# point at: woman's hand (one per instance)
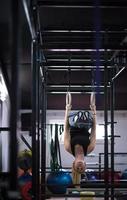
(93, 109)
(68, 107)
(68, 101)
(92, 103)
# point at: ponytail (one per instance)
(76, 177)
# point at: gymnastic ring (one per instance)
(92, 99)
(68, 98)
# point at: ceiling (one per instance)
(83, 42)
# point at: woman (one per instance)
(78, 141)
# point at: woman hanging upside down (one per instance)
(80, 133)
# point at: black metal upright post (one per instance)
(112, 100)
(43, 136)
(35, 21)
(38, 95)
(34, 120)
(31, 11)
(14, 95)
(106, 162)
(112, 139)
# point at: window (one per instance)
(100, 131)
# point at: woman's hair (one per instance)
(76, 176)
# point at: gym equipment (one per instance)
(68, 98)
(91, 176)
(25, 160)
(25, 186)
(55, 159)
(87, 193)
(26, 191)
(26, 177)
(81, 193)
(57, 182)
(117, 176)
(124, 174)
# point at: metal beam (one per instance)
(73, 63)
(74, 88)
(117, 75)
(80, 45)
(82, 31)
(86, 28)
(81, 4)
(77, 68)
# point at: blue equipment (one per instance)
(91, 176)
(124, 174)
(57, 182)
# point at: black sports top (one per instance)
(81, 137)
(80, 122)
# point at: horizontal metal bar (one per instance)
(79, 45)
(86, 27)
(74, 63)
(54, 39)
(74, 86)
(77, 68)
(57, 35)
(76, 195)
(76, 53)
(72, 89)
(118, 153)
(83, 195)
(81, 4)
(99, 184)
(72, 92)
(4, 129)
(81, 31)
(79, 51)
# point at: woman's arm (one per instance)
(66, 124)
(93, 131)
(66, 119)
